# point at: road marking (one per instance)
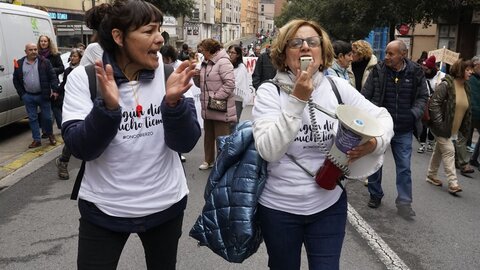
(389, 258)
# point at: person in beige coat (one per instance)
(216, 80)
(363, 62)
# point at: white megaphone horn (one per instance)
(355, 128)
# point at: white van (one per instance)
(18, 26)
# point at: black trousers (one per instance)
(100, 248)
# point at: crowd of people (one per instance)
(144, 109)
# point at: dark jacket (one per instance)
(57, 63)
(406, 101)
(474, 84)
(228, 224)
(87, 139)
(48, 78)
(442, 109)
(264, 70)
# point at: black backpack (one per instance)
(92, 85)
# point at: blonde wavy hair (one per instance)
(287, 32)
(363, 49)
(51, 46)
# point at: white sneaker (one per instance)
(205, 166)
(421, 149)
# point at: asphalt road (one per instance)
(39, 224)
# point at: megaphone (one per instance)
(355, 128)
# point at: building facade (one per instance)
(249, 17)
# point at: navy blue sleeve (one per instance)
(182, 130)
(87, 139)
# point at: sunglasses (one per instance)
(297, 43)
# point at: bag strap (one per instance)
(330, 80)
(92, 85)
(335, 90)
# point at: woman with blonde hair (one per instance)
(295, 139)
(49, 50)
(363, 62)
(450, 116)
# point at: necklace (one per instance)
(135, 85)
(138, 107)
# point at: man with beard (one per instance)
(399, 85)
(433, 77)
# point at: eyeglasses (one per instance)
(233, 52)
(297, 43)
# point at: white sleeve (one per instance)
(77, 103)
(274, 127)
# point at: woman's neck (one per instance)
(127, 67)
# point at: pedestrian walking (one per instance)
(49, 50)
(128, 136)
(216, 80)
(36, 82)
(241, 78)
(62, 161)
(433, 77)
(450, 114)
(398, 84)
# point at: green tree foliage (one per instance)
(353, 19)
(175, 8)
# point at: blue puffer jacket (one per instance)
(228, 223)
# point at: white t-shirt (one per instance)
(137, 174)
(92, 53)
(279, 118)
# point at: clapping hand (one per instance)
(179, 82)
(108, 86)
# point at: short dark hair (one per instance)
(341, 47)
(457, 70)
(185, 46)
(169, 51)
(125, 15)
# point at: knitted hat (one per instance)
(430, 62)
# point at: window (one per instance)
(447, 34)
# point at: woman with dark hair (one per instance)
(341, 63)
(217, 82)
(49, 50)
(128, 135)
(241, 78)
(450, 116)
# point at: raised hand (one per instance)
(304, 85)
(179, 82)
(108, 87)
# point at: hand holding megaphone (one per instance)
(355, 130)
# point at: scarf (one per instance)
(44, 52)
(286, 80)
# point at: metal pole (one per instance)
(93, 3)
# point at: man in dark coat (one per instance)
(398, 84)
(35, 81)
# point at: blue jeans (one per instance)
(401, 145)
(322, 233)
(32, 102)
